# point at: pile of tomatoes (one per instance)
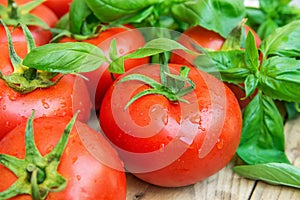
(162, 141)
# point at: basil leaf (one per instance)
(251, 83)
(279, 78)
(284, 41)
(107, 10)
(252, 61)
(79, 11)
(229, 64)
(292, 109)
(153, 47)
(267, 28)
(71, 57)
(272, 173)
(220, 16)
(262, 138)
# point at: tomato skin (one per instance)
(60, 7)
(41, 36)
(68, 95)
(173, 144)
(87, 177)
(213, 41)
(128, 40)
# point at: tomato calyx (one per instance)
(14, 14)
(172, 86)
(37, 175)
(25, 79)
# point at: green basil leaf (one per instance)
(251, 83)
(279, 78)
(153, 47)
(72, 57)
(229, 64)
(134, 18)
(262, 138)
(107, 10)
(272, 173)
(79, 11)
(220, 16)
(255, 16)
(292, 109)
(284, 41)
(267, 28)
(252, 61)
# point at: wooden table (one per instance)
(225, 184)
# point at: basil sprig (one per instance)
(275, 76)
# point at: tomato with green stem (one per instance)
(127, 40)
(55, 158)
(38, 17)
(172, 127)
(23, 88)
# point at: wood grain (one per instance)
(225, 185)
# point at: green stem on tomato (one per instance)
(25, 79)
(13, 12)
(37, 175)
(172, 86)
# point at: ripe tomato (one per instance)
(210, 40)
(40, 35)
(60, 7)
(69, 94)
(128, 40)
(172, 144)
(90, 173)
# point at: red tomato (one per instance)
(60, 7)
(90, 165)
(172, 144)
(69, 94)
(127, 41)
(40, 35)
(210, 40)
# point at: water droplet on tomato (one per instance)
(45, 104)
(121, 51)
(195, 119)
(74, 159)
(7, 124)
(165, 119)
(200, 127)
(13, 96)
(162, 148)
(220, 143)
(186, 140)
(63, 104)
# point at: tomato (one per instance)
(60, 7)
(128, 40)
(40, 35)
(168, 143)
(210, 40)
(89, 164)
(69, 94)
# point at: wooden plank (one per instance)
(225, 184)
